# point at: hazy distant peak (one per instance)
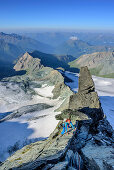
(2, 33)
(74, 38)
(12, 35)
(99, 63)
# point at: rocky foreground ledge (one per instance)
(90, 147)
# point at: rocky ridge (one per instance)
(99, 63)
(26, 62)
(77, 150)
(37, 59)
(86, 99)
(77, 47)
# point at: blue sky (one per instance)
(61, 14)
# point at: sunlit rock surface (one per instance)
(86, 99)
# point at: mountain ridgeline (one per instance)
(25, 43)
(36, 59)
(97, 56)
(57, 38)
(12, 46)
(100, 63)
(66, 44)
(78, 47)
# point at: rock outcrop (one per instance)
(96, 149)
(86, 100)
(27, 62)
(86, 83)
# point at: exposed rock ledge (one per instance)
(89, 148)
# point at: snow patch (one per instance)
(45, 91)
(30, 127)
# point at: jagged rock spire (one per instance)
(86, 83)
(86, 99)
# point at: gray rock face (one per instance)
(92, 157)
(96, 150)
(86, 99)
(86, 83)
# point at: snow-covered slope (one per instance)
(105, 90)
(29, 127)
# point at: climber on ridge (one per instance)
(67, 124)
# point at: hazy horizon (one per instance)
(43, 30)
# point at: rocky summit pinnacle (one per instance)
(86, 99)
(86, 83)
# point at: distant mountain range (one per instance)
(57, 49)
(99, 63)
(8, 51)
(51, 38)
(76, 44)
(77, 47)
(57, 38)
(13, 45)
(105, 38)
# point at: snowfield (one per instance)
(30, 127)
(105, 90)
